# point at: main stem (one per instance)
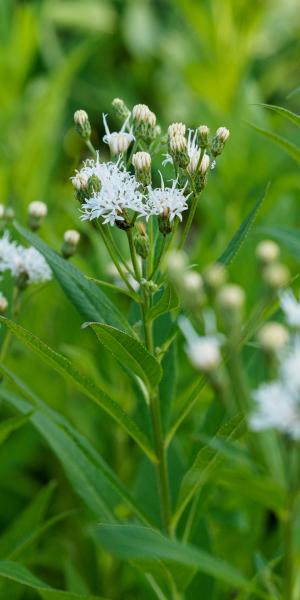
(162, 466)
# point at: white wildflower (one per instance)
(291, 308)
(168, 200)
(37, 209)
(32, 263)
(8, 254)
(118, 141)
(119, 190)
(203, 351)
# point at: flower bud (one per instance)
(141, 241)
(142, 165)
(192, 282)
(164, 223)
(178, 150)
(219, 140)
(82, 124)
(204, 354)
(215, 276)
(80, 181)
(176, 129)
(267, 252)
(231, 299)
(37, 211)
(144, 122)
(272, 337)
(70, 243)
(119, 142)
(120, 109)
(3, 304)
(176, 262)
(203, 136)
(2, 211)
(204, 165)
(275, 276)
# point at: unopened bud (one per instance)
(231, 297)
(142, 165)
(119, 142)
(80, 181)
(37, 211)
(178, 150)
(215, 276)
(267, 252)
(192, 282)
(176, 129)
(219, 140)
(9, 214)
(204, 165)
(3, 304)
(275, 275)
(176, 262)
(272, 337)
(2, 211)
(144, 122)
(141, 241)
(203, 136)
(120, 109)
(82, 124)
(70, 243)
(164, 223)
(204, 354)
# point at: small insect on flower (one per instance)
(118, 141)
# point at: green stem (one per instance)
(113, 256)
(162, 466)
(134, 259)
(190, 219)
(159, 258)
(91, 147)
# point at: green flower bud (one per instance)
(82, 124)
(121, 111)
(141, 241)
(70, 243)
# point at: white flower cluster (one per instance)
(119, 190)
(23, 261)
(278, 402)
(203, 351)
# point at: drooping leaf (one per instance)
(132, 542)
(91, 477)
(242, 232)
(20, 574)
(86, 296)
(63, 366)
(289, 147)
(129, 352)
(287, 114)
(168, 301)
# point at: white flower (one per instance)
(278, 403)
(71, 236)
(81, 118)
(168, 199)
(118, 141)
(291, 308)
(32, 263)
(119, 190)
(37, 209)
(8, 254)
(223, 134)
(203, 351)
(194, 153)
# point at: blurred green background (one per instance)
(201, 61)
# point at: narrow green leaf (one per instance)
(93, 480)
(10, 425)
(132, 542)
(63, 366)
(168, 301)
(287, 114)
(242, 232)
(205, 462)
(86, 296)
(115, 288)
(20, 574)
(290, 148)
(129, 352)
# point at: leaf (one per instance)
(129, 352)
(10, 425)
(205, 462)
(86, 296)
(132, 542)
(290, 148)
(91, 477)
(287, 114)
(168, 301)
(242, 232)
(290, 238)
(63, 366)
(20, 574)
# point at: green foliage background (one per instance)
(205, 61)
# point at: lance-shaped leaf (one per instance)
(63, 366)
(168, 301)
(283, 112)
(132, 542)
(20, 574)
(242, 232)
(289, 147)
(87, 297)
(129, 352)
(10, 425)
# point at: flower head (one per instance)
(118, 141)
(8, 254)
(117, 191)
(291, 308)
(166, 200)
